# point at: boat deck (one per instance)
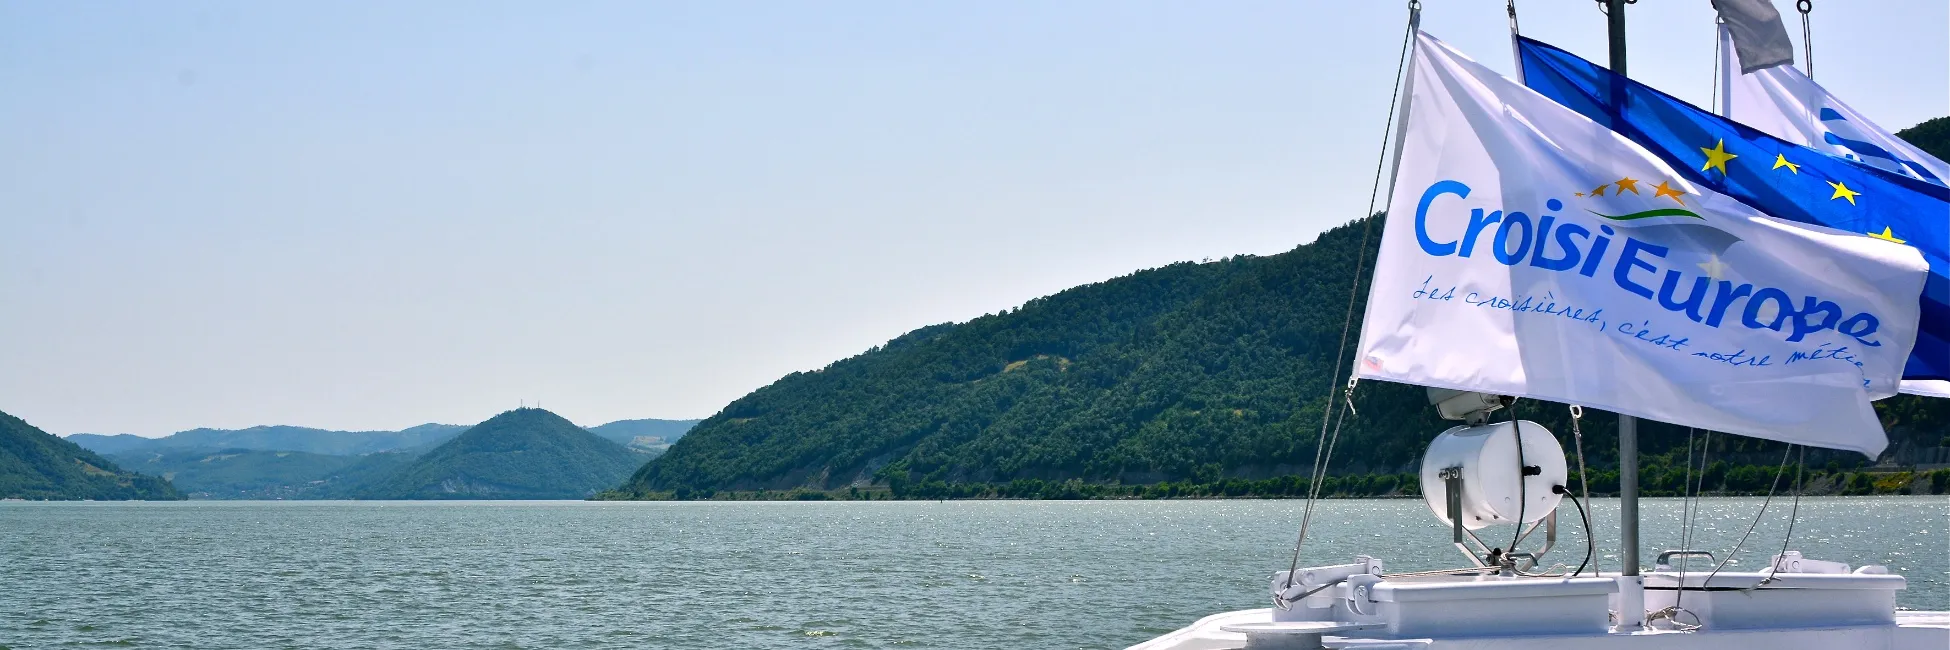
(1912, 631)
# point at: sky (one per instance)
(373, 215)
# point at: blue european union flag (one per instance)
(1774, 176)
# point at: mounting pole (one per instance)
(1631, 615)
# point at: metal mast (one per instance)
(1628, 426)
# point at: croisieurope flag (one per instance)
(1777, 177)
(1531, 251)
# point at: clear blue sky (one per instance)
(373, 215)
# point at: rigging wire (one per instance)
(1696, 491)
(1584, 485)
(1800, 464)
(1750, 527)
(1807, 35)
(1323, 446)
(1719, 50)
(1686, 504)
(1686, 494)
(1699, 487)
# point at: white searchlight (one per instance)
(1484, 458)
(1480, 475)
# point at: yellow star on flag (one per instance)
(1600, 191)
(1663, 189)
(1781, 161)
(1628, 184)
(1886, 235)
(1843, 192)
(1578, 193)
(1717, 157)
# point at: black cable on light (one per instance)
(1523, 498)
(1590, 543)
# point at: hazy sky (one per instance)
(372, 215)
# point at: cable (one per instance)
(1693, 500)
(1718, 51)
(1686, 507)
(1523, 498)
(1584, 482)
(1323, 448)
(1807, 35)
(1750, 527)
(1590, 543)
(1685, 498)
(1800, 463)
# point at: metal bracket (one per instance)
(1452, 487)
(1452, 493)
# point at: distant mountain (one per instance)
(647, 435)
(259, 474)
(275, 438)
(35, 464)
(526, 453)
(111, 444)
(287, 462)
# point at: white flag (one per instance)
(1530, 251)
(1784, 103)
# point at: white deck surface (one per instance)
(1913, 631)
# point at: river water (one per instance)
(968, 575)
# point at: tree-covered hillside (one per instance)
(275, 438)
(651, 435)
(1187, 373)
(260, 474)
(35, 464)
(1932, 136)
(526, 453)
(1158, 375)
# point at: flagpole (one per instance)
(1632, 594)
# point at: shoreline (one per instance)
(1890, 482)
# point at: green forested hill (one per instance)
(646, 434)
(37, 465)
(274, 438)
(526, 453)
(1163, 374)
(260, 474)
(1932, 136)
(286, 462)
(1210, 374)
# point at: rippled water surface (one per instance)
(962, 575)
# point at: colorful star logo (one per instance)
(1664, 189)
